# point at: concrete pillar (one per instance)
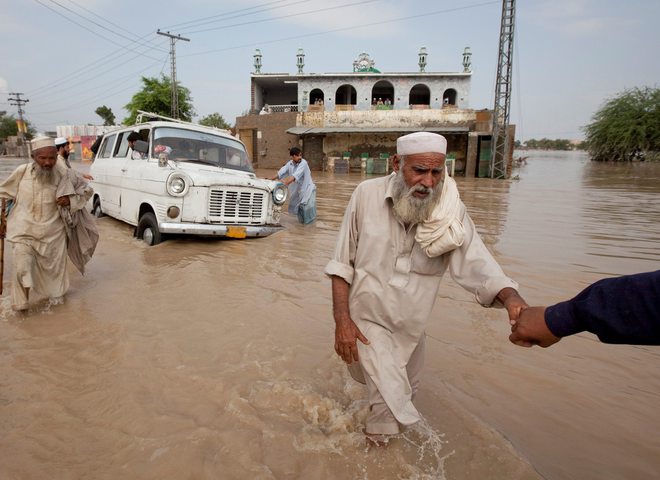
(472, 149)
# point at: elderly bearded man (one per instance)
(35, 228)
(400, 233)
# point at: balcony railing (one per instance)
(280, 108)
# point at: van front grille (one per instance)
(244, 206)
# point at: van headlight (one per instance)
(178, 184)
(279, 194)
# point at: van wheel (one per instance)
(147, 229)
(96, 209)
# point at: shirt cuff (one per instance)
(338, 269)
(487, 292)
(560, 320)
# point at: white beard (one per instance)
(410, 209)
(44, 175)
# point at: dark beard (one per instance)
(410, 209)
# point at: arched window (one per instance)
(346, 95)
(449, 97)
(382, 93)
(316, 97)
(420, 95)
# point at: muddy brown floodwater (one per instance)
(207, 359)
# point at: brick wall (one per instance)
(272, 141)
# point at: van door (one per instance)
(107, 176)
(134, 176)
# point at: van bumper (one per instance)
(206, 229)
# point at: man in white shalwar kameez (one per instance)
(399, 235)
(35, 229)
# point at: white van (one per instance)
(183, 178)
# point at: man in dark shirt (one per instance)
(618, 310)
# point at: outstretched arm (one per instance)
(618, 310)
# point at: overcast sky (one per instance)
(70, 56)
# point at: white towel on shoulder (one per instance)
(444, 230)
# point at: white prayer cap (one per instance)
(42, 142)
(59, 141)
(421, 142)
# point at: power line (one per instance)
(85, 28)
(205, 19)
(97, 98)
(131, 39)
(43, 90)
(341, 29)
(97, 73)
(200, 22)
(284, 16)
(137, 39)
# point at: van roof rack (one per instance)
(140, 118)
(151, 116)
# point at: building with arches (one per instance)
(361, 113)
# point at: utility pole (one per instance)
(498, 162)
(15, 99)
(175, 97)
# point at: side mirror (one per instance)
(141, 146)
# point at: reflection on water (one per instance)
(207, 358)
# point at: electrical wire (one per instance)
(98, 87)
(341, 29)
(69, 84)
(83, 26)
(136, 39)
(95, 99)
(204, 20)
(283, 16)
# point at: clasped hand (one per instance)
(530, 329)
(528, 325)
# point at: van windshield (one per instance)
(190, 146)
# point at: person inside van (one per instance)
(132, 137)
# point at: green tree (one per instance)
(156, 97)
(626, 127)
(8, 127)
(106, 114)
(215, 120)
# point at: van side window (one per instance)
(122, 150)
(144, 135)
(106, 148)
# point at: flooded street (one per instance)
(206, 358)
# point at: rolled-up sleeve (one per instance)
(283, 172)
(473, 267)
(343, 259)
